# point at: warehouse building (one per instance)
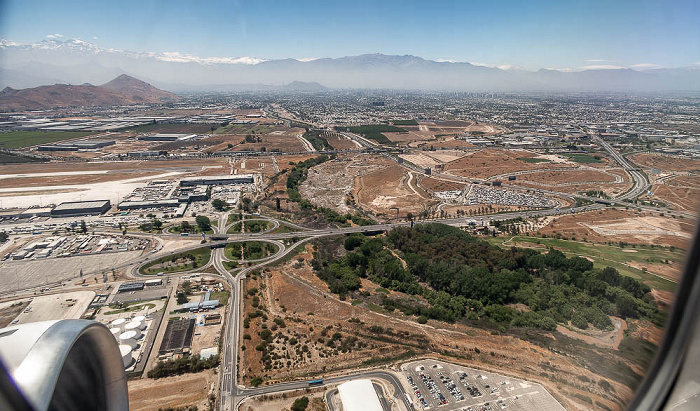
(78, 208)
(167, 137)
(129, 287)
(77, 145)
(218, 180)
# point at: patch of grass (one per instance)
(283, 229)
(232, 218)
(249, 250)
(236, 228)
(222, 296)
(19, 139)
(7, 158)
(583, 158)
(131, 308)
(533, 160)
(256, 226)
(404, 122)
(375, 131)
(184, 261)
(606, 256)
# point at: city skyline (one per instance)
(508, 35)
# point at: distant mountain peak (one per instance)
(121, 91)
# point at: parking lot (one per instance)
(445, 386)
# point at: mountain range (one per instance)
(123, 90)
(75, 61)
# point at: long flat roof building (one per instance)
(218, 180)
(359, 395)
(76, 208)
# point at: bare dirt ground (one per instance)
(392, 186)
(9, 311)
(564, 177)
(285, 142)
(182, 390)
(490, 162)
(682, 192)
(331, 184)
(621, 225)
(666, 163)
(284, 401)
(340, 142)
(608, 339)
(295, 292)
(435, 184)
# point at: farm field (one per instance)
(21, 139)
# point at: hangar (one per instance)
(77, 208)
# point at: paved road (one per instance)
(638, 177)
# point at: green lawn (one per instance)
(232, 218)
(282, 229)
(606, 256)
(533, 160)
(583, 158)
(375, 131)
(404, 122)
(251, 250)
(178, 262)
(222, 296)
(19, 139)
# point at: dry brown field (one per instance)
(393, 186)
(183, 390)
(681, 192)
(340, 142)
(602, 226)
(489, 162)
(666, 163)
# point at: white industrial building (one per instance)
(359, 395)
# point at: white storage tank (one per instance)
(119, 323)
(115, 332)
(127, 356)
(141, 320)
(128, 338)
(133, 326)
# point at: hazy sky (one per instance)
(528, 33)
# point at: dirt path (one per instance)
(610, 339)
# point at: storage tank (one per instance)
(141, 320)
(133, 326)
(119, 323)
(115, 332)
(127, 356)
(128, 338)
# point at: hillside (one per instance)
(123, 90)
